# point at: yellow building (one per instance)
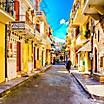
(5, 18)
(22, 42)
(68, 50)
(44, 45)
(22, 37)
(79, 25)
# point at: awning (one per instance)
(86, 47)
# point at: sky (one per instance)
(57, 14)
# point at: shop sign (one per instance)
(18, 25)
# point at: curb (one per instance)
(19, 84)
(46, 68)
(8, 90)
(83, 87)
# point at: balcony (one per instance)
(94, 8)
(80, 39)
(6, 12)
(24, 26)
(42, 17)
(38, 13)
(76, 8)
(29, 3)
(68, 40)
(85, 47)
(78, 18)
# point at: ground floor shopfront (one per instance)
(26, 56)
(22, 56)
(84, 62)
(98, 52)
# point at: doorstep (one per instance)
(99, 77)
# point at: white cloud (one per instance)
(67, 22)
(62, 21)
(59, 40)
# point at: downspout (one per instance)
(6, 51)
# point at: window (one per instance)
(101, 61)
(87, 26)
(84, 1)
(38, 27)
(98, 35)
(95, 36)
(77, 31)
(38, 54)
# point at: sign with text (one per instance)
(18, 25)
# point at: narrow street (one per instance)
(52, 52)
(56, 86)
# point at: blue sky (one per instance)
(56, 11)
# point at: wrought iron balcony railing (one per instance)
(8, 7)
(26, 19)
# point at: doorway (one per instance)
(42, 57)
(95, 60)
(18, 56)
(34, 58)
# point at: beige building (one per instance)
(95, 9)
(86, 32)
(80, 37)
(43, 43)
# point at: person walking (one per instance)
(54, 60)
(68, 65)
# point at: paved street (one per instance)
(56, 86)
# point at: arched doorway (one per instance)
(95, 60)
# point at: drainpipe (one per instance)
(6, 51)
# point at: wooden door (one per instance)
(18, 56)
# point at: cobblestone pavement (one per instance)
(56, 86)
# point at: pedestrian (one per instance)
(68, 65)
(61, 58)
(54, 60)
